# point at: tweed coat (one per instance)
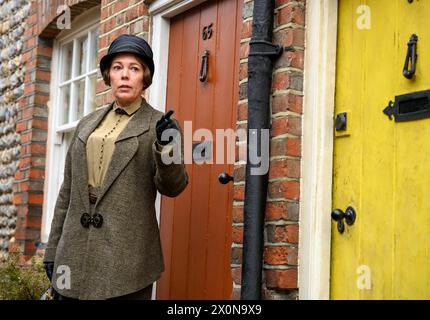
(123, 255)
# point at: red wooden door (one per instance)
(196, 226)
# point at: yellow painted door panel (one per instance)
(381, 167)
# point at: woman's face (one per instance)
(126, 78)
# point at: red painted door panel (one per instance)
(196, 226)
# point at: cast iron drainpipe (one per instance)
(262, 52)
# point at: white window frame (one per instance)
(57, 144)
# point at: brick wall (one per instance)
(32, 119)
(13, 16)
(118, 17)
(282, 211)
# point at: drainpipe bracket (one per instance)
(265, 48)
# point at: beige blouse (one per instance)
(101, 143)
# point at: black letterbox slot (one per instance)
(409, 106)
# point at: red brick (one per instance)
(283, 233)
(120, 4)
(101, 86)
(21, 175)
(237, 235)
(26, 56)
(239, 173)
(23, 186)
(281, 81)
(294, 59)
(134, 13)
(281, 279)
(30, 65)
(108, 25)
(29, 87)
(33, 222)
(284, 168)
(242, 111)
(276, 210)
(287, 102)
(294, 147)
(20, 198)
(239, 193)
(246, 29)
(43, 75)
(38, 161)
(289, 37)
(236, 255)
(44, 51)
(290, 14)
(293, 233)
(38, 148)
(244, 50)
(25, 137)
(37, 173)
(280, 255)
(284, 189)
(35, 198)
(236, 274)
(24, 162)
(40, 123)
(103, 42)
(21, 126)
(104, 13)
(237, 213)
(41, 99)
(286, 124)
(243, 71)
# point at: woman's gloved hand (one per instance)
(49, 268)
(163, 124)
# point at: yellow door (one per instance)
(381, 167)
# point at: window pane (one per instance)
(91, 93)
(67, 52)
(80, 91)
(95, 49)
(64, 104)
(83, 52)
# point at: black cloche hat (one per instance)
(127, 43)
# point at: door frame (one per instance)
(161, 11)
(317, 149)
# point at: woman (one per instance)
(104, 241)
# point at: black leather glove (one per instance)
(49, 268)
(163, 124)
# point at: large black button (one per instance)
(97, 220)
(86, 220)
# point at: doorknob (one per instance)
(225, 178)
(349, 216)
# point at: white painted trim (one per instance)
(162, 11)
(317, 146)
